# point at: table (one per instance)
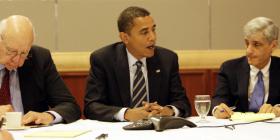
(254, 131)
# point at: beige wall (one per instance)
(85, 25)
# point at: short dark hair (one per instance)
(125, 20)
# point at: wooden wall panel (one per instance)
(196, 81)
(76, 82)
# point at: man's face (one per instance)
(258, 49)
(141, 39)
(13, 54)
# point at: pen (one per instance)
(231, 108)
(101, 137)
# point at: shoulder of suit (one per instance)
(109, 49)
(38, 49)
(236, 62)
(164, 51)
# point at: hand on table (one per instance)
(37, 118)
(222, 111)
(268, 108)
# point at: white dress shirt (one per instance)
(254, 78)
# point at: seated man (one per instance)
(251, 82)
(29, 80)
(134, 79)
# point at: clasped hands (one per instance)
(223, 111)
(31, 117)
(147, 110)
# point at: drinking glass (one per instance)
(202, 105)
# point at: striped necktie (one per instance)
(139, 92)
(257, 98)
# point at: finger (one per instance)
(269, 110)
(39, 121)
(277, 111)
(226, 109)
(221, 113)
(166, 111)
(144, 103)
(28, 120)
(10, 108)
(274, 111)
(29, 117)
(265, 108)
(156, 107)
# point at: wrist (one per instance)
(50, 116)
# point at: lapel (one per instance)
(243, 75)
(122, 73)
(154, 72)
(25, 75)
(274, 76)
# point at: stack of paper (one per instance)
(57, 133)
(251, 117)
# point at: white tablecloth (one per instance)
(253, 131)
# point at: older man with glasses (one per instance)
(29, 80)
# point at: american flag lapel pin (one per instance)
(158, 71)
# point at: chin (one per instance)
(149, 55)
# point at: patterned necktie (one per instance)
(257, 98)
(5, 97)
(139, 87)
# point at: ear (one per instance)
(124, 37)
(274, 44)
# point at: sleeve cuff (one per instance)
(57, 117)
(213, 110)
(120, 115)
(175, 109)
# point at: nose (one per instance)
(16, 59)
(152, 37)
(250, 49)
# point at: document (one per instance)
(57, 133)
(251, 116)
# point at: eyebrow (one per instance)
(146, 28)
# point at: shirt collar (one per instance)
(132, 60)
(264, 70)
(1, 67)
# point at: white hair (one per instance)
(2, 27)
(262, 24)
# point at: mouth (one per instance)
(151, 47)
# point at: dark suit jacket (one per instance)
(233, 83)
(108, 88)
(43, 89)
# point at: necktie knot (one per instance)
(138, 64)
(260, 75)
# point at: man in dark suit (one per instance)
(251, 83)
(113, 91)
(36, 88)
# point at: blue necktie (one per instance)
(139, 87)
(257, 98)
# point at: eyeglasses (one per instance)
(13, 53)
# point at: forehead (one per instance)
(143, 22)
(16, 44)
(258, 36)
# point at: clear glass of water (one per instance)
(202, 106)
